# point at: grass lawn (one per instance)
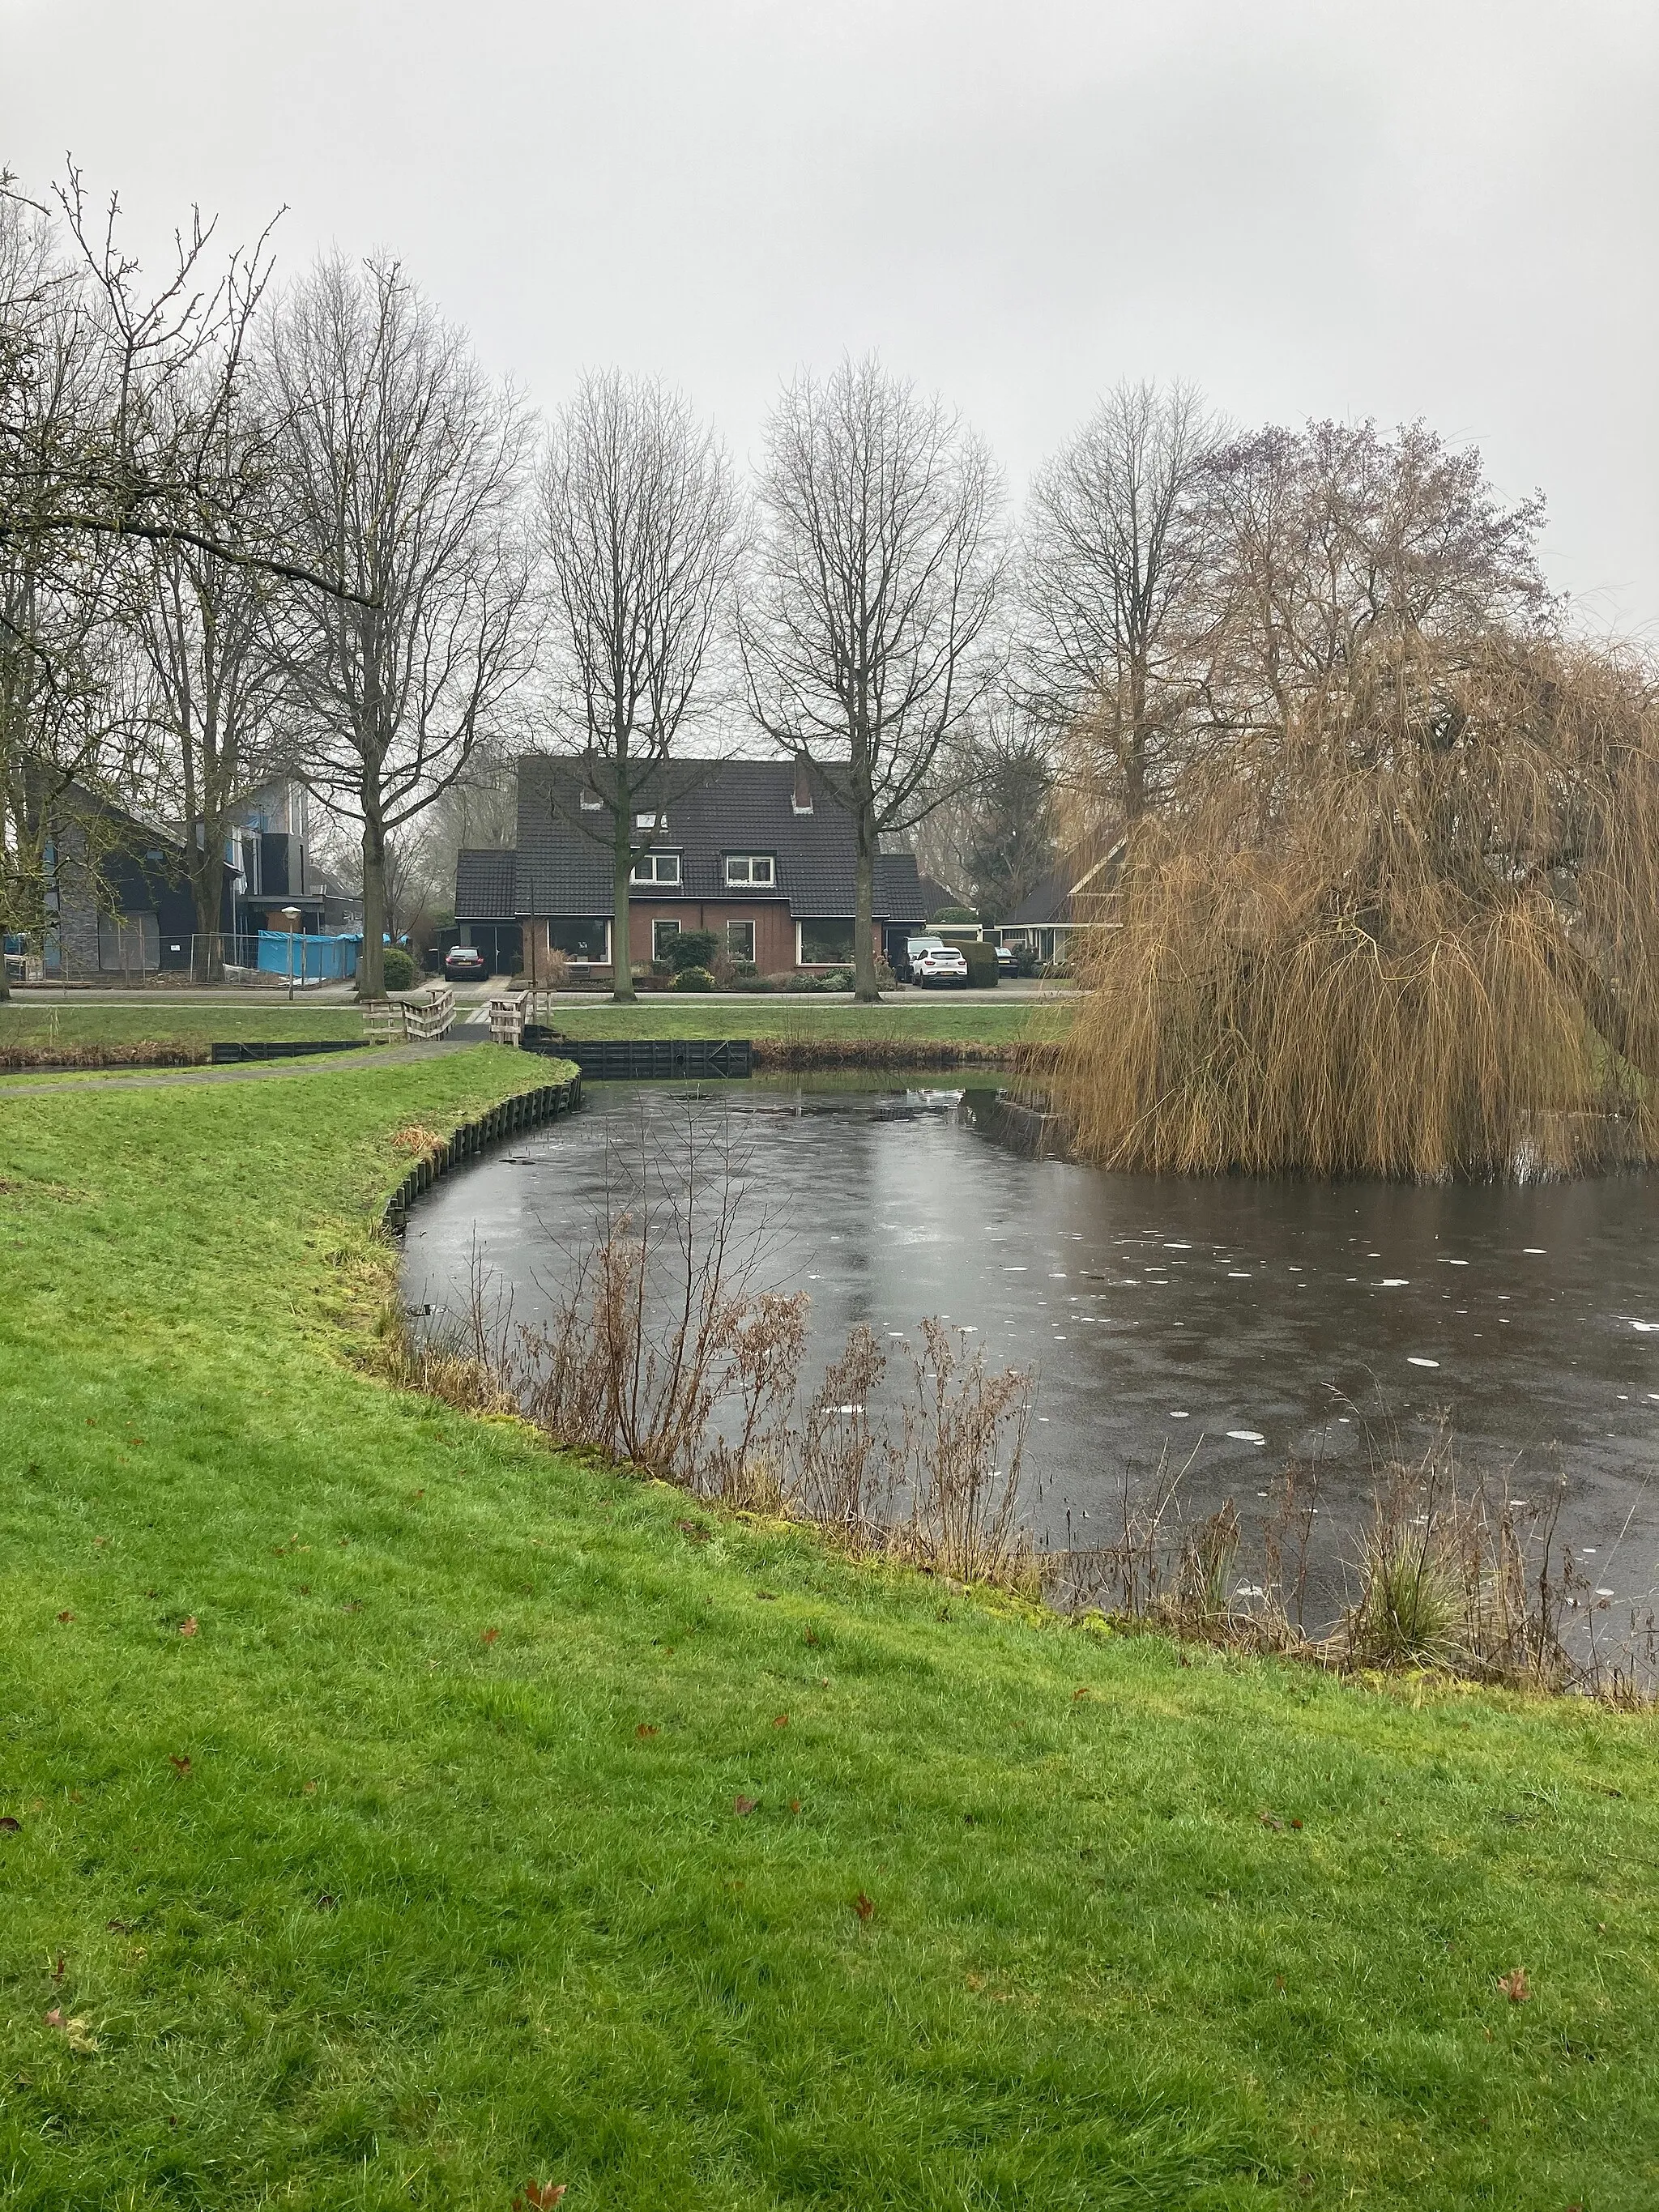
(158, 1018)
(395, 1812)
(938, 1018)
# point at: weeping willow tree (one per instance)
(1399, 915)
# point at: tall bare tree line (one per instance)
(245, 531)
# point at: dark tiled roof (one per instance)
(712, 809)
(1092, 869)
(486, 886)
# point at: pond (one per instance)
(1236, 1324)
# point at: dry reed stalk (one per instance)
(1413, 933)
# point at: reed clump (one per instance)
(1411, 930)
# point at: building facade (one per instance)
(759, 854)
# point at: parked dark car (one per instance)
(466, 964)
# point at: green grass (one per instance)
(936, 1019)
(427, 1915)
(159, 1019)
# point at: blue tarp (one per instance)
(316, 959)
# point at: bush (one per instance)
(692, 948)
(397, 969)
(953, 914)
(693, 979)
(833, 979)
(982, 968)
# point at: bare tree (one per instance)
(1114, 569)
(202, 623)
(401, 467)
(640, 524)
(865, 638)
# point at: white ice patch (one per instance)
(1538, 1251)
(1394, 1283)
(1181, 1417)
(1414, 1360)
(1246, 1436)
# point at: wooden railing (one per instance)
(431, 1018)
(507, 1017)
(396, 1021)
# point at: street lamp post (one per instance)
(290, 915)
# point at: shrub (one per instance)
(692, 948)
(982, 968)
(953, 914)
(693, 979)
(397, 968)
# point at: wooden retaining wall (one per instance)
(527, 1110)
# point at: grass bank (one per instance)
(403, 1813)
(154, 1028)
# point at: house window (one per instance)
(751, 868)
(740, 941)
(656, 868)
(826, 944)
(661, 931)
(585, 939)
(655, 822)
(591, 801)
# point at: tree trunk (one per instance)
(864, 903)
(621, 966)
(371, 964)
(207, 959)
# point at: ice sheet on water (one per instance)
(1246, 1436)
(1415, 1359)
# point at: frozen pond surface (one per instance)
(1242, 1318)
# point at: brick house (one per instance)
(760, 853)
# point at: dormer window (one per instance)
(660, 868)
(750, 870)
(591, 801)
(656, 823)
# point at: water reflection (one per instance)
(1239, 1322)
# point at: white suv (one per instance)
(931, 960)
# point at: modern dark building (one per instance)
(760, 853)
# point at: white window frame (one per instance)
(658, 823)
(663, 925)
(656, 862)
(590, 801)
(749, 880)
(732, 951)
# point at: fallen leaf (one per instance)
(538, 2196)
(188, 1627)
(1269, 1821)
(779, 1720)
(309, 1788)
(863, 1906)
(767, 1597)
(183, 1765)
(9, 1825)
(118, 1927)
(76, 2031)
(326, 1901)
(743, 1807)
(60, 1969)
(810, 1638)
(692, 1531)
(795, 1804)
(1514, 1986)
(645, 1728)
(135, 1440)
(489, 1636)
(1296, 1824)
(1082, 1692)
(66, 1617)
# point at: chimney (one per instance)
(803, 798)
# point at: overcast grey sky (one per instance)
(1442, 208)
